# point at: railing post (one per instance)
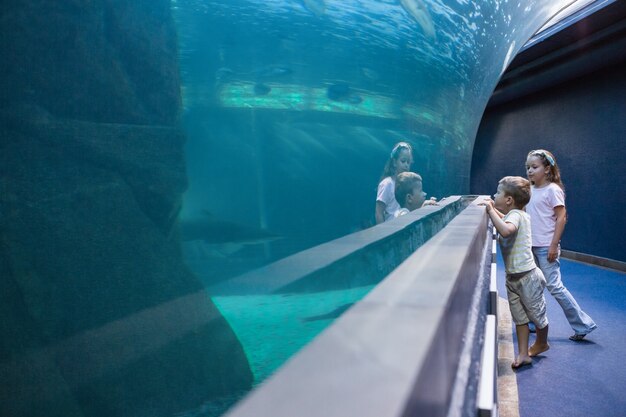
(488, 386)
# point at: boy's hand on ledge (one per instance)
(432, 201)
(488, 203)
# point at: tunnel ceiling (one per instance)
(583, 44)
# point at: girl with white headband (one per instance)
(548, 217)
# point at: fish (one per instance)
(272, 71)
(343, 93)
(354, 99)
(317, 7)
(418, 10)
(331, 314)
(370, 74)
(261, 89)
(212, 231)
(224, 74)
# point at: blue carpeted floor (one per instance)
(585, 378)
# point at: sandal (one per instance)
(577, 337)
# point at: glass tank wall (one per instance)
(289, 111)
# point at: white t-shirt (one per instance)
(541, 210)
(387, 195)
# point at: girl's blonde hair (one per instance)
(548, 160)
(390, 166)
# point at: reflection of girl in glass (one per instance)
(400, 160)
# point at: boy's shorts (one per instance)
(526, 299)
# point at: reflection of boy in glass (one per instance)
(409, 193)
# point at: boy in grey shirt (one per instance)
(524, 281)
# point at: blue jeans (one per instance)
(577, 318)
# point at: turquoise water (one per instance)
(273, 327)
(291, 109)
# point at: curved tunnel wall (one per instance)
(289, 101)
(93, 174)
(583, 122)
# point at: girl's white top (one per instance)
(387, 194)
(541, 207)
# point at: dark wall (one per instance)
(583, 122)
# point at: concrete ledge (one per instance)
(396, 352)
(358, 259)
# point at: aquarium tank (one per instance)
(153, 149)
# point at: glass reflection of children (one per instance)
(548, 216)
(400, 160)
(524, 281)
(409, 193)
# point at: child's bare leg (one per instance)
(541, 343)
(522, 345)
